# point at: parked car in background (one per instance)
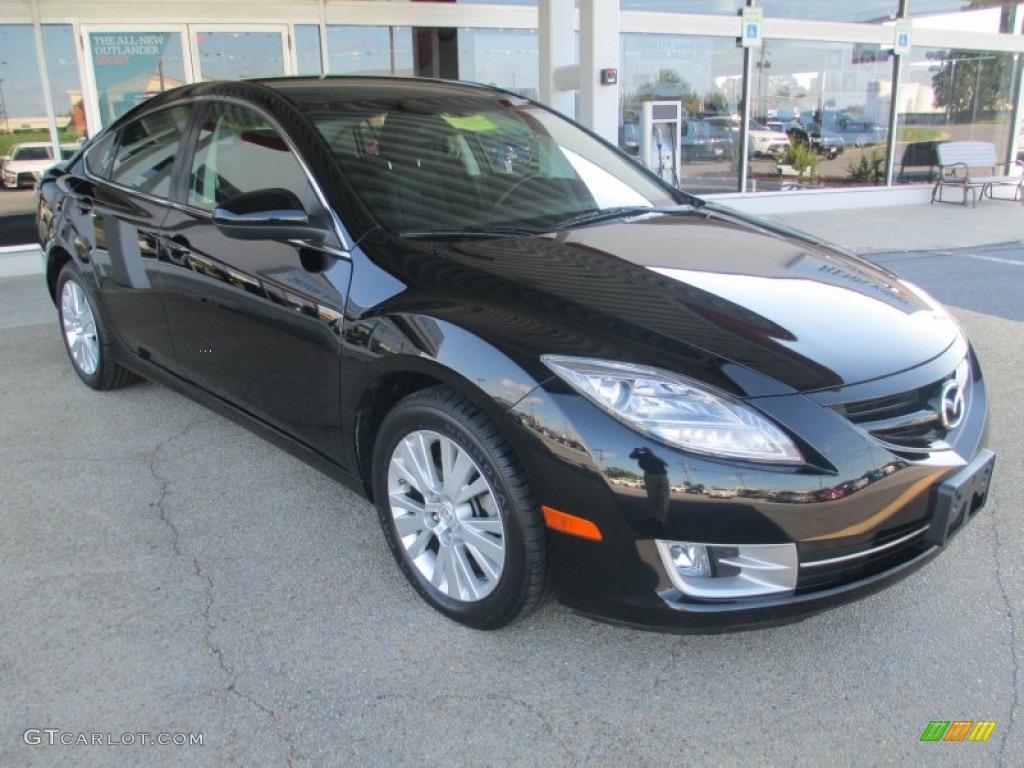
(28, 160)
(778, 126)
(826, 144)
(544, 365)
(629, 135)
(767, 141)
(764, 141)
(854, 130)
(700, 141)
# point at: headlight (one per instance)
(676, 410)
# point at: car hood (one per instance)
(702, 288)
(28, 165)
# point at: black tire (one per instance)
(106, 374)
(437, 419)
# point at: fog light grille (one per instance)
(734, 570)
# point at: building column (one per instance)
(44, 75)
(599, 49)
(557, 21)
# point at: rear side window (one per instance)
(145, 156)
(98, 156)
(239, 151)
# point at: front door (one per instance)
(255, 322)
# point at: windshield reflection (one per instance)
(480, 163)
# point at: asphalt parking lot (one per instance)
(165, 571)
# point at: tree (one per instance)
(715, 101)
(966, 82)
(669, 86)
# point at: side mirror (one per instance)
(266, 214)
(72, 186)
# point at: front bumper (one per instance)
(16, 179)
(859, 515)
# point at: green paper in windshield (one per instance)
(475, 123)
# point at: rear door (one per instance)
(126, 207)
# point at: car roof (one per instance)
(316, 93)
(373, 87)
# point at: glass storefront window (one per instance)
(951, 95)
(728, 7)
(866, 11)
(507, 58)
(21, 88)
(230, 55)
(832, 99)
(704, 75)
(65, 83)
(989, 16)
(307, 49)
(130, 67)
(370, 50)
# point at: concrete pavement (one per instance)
(935, 227)
(164, 571)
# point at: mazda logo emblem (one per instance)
(951, 405)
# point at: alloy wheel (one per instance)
(79, 325)
(446, 516)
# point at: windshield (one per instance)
(479, 163)
(31, 153)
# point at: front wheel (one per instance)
(457, 512)
(85, 335)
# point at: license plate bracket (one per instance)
(959, 496)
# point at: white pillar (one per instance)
(44, 75)
(557, 20)
(599, 49)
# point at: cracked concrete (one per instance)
(1011, 626)
(209, 644)
(1002, 348)
(162, 569)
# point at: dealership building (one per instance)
(683, 84)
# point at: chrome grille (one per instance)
(845, 566)
(907, 422)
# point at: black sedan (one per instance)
(547, 368)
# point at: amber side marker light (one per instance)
(566, 523)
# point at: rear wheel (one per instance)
(456, 510)
(85, 334)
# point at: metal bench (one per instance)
(970, 166)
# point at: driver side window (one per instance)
(239, 151)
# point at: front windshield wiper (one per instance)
(594, 215)
(474, 231)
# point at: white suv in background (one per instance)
(27, 162)
(763, 140)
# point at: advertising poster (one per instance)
(130, 67)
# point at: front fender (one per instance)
(386, 357)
